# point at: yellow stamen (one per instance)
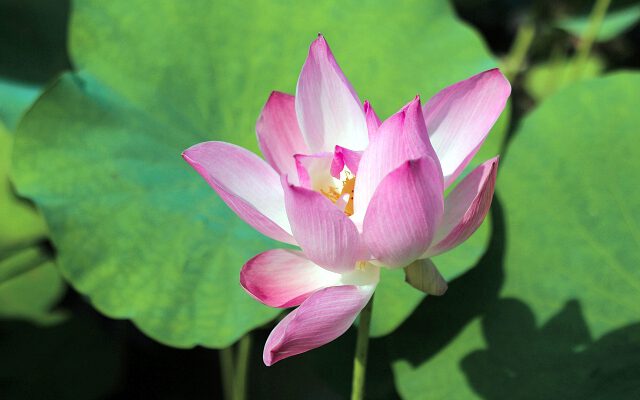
(348, 187)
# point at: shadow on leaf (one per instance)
(558, 361)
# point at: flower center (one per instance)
(342, 197)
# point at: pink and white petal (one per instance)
(314, 171)
(408, 203)
(278, 133)
(329, 111)
(320, 319)
(284, 278)
(460, 116)
(465, 208)
(400, 138)
(247, 184)
(325, 234)
(343, 156)
(373, 122)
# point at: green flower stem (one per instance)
(591, 32)
(242, 362)
(226, 368)
(362, 347)
(234, 372)
(519, 49)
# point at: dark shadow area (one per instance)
(438, 320)
(33, 39)
(92, 357)
(73, 360)
(321, 374)
(152, 370)
(560, 360)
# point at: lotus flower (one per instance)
(354, 194)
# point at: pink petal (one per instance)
(321, 318)
(373, 122)
(325, 234)
(465, 207)
(404, 213)
(278, 133)
(329, 111)
(284, 278)
(400, 138)
(248, 185)
(342, 157)
(459, 118)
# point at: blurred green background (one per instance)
(119, 267)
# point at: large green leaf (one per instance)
(554, 314)
(134, 227)
(139, 232)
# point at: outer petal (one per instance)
(248, 185)
(278, 133)
(373, 122)
(329, 111)
(321, 318)
(284, 278)
(465, 208)
(325, 234)
(408, 203)
(459, 118)
(400, 138)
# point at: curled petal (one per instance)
(325, 234)
(424, 276)
(465, 207)
(248, 185)
(460, 116)
(284, 278)
(321, 318)
(278, 133)
(329, 111)
(342, 157)
(400, 138)
(404, 213)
